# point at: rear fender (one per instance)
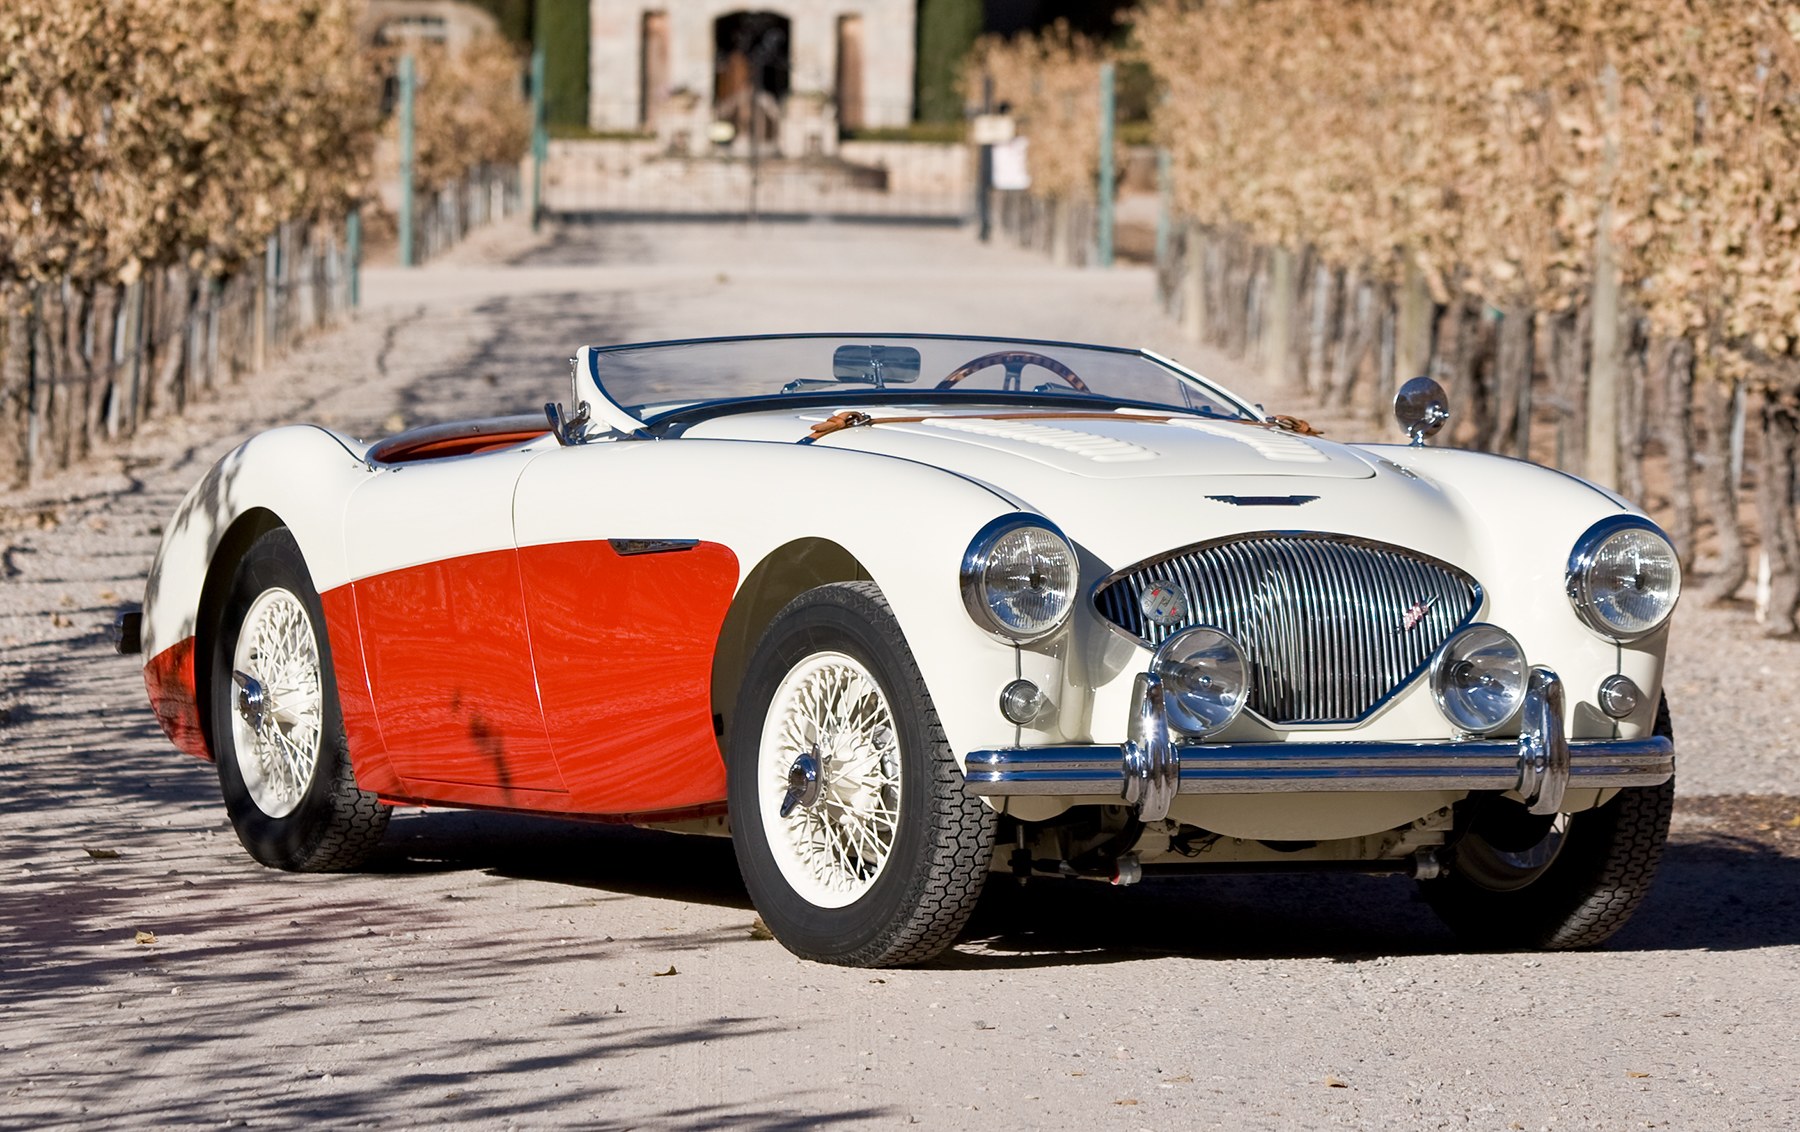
(298, 477)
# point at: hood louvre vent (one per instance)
(1332, 626)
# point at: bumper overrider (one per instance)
(1151, 767)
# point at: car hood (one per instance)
(1127, 487)
(1115, 448)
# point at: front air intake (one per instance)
(1331, 626)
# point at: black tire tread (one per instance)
(941, 895)
(1589, 892)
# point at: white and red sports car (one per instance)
(899, 612)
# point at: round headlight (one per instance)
(1478, 679)
(1624, 578)
(1019, 577)
(1205, 680)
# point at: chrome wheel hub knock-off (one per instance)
(802, 783)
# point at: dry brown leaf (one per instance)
(1127, 1100)
(1635, 1073)
(760, 930)
(1334, 1082)
(666, 974)
(103, 854)
(146, 937)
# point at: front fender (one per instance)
(906, 523)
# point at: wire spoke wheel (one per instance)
(854, 835)
(276, 692)
(829, 779)
(275, 726)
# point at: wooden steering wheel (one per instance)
(1015, 362)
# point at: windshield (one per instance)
(668, 379)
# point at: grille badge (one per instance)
(1415, 614)
(1164, 603)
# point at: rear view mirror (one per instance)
(876, 365)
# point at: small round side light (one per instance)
(1021, 702)
(1620, 696)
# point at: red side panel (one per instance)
(169, 677)
(368, 754)
(449, 664)
(624, 648)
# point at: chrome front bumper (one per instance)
(1150, 767)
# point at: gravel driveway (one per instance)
(503, 971)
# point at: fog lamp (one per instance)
(1478, 679)
(1205, 680)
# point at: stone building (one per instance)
(789, 73)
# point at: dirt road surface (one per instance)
(495, 971)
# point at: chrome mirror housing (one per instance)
(1422, 408)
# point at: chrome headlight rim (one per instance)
(974, 566)
(1577, 577)
(1176, 643)
(1435, 677)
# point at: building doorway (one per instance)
(750, 72)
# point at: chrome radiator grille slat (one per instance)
(1322, 618)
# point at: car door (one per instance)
(624, 601)
(444, 632)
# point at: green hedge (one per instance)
(562, 31)
(947, 29)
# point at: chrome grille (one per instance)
(1322, 618)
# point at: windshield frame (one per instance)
(677, 418)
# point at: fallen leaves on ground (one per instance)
(1333, 1081)
(103, 854)
(146, 937)
(760, 930)
(1771, 819)
(665, 974)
